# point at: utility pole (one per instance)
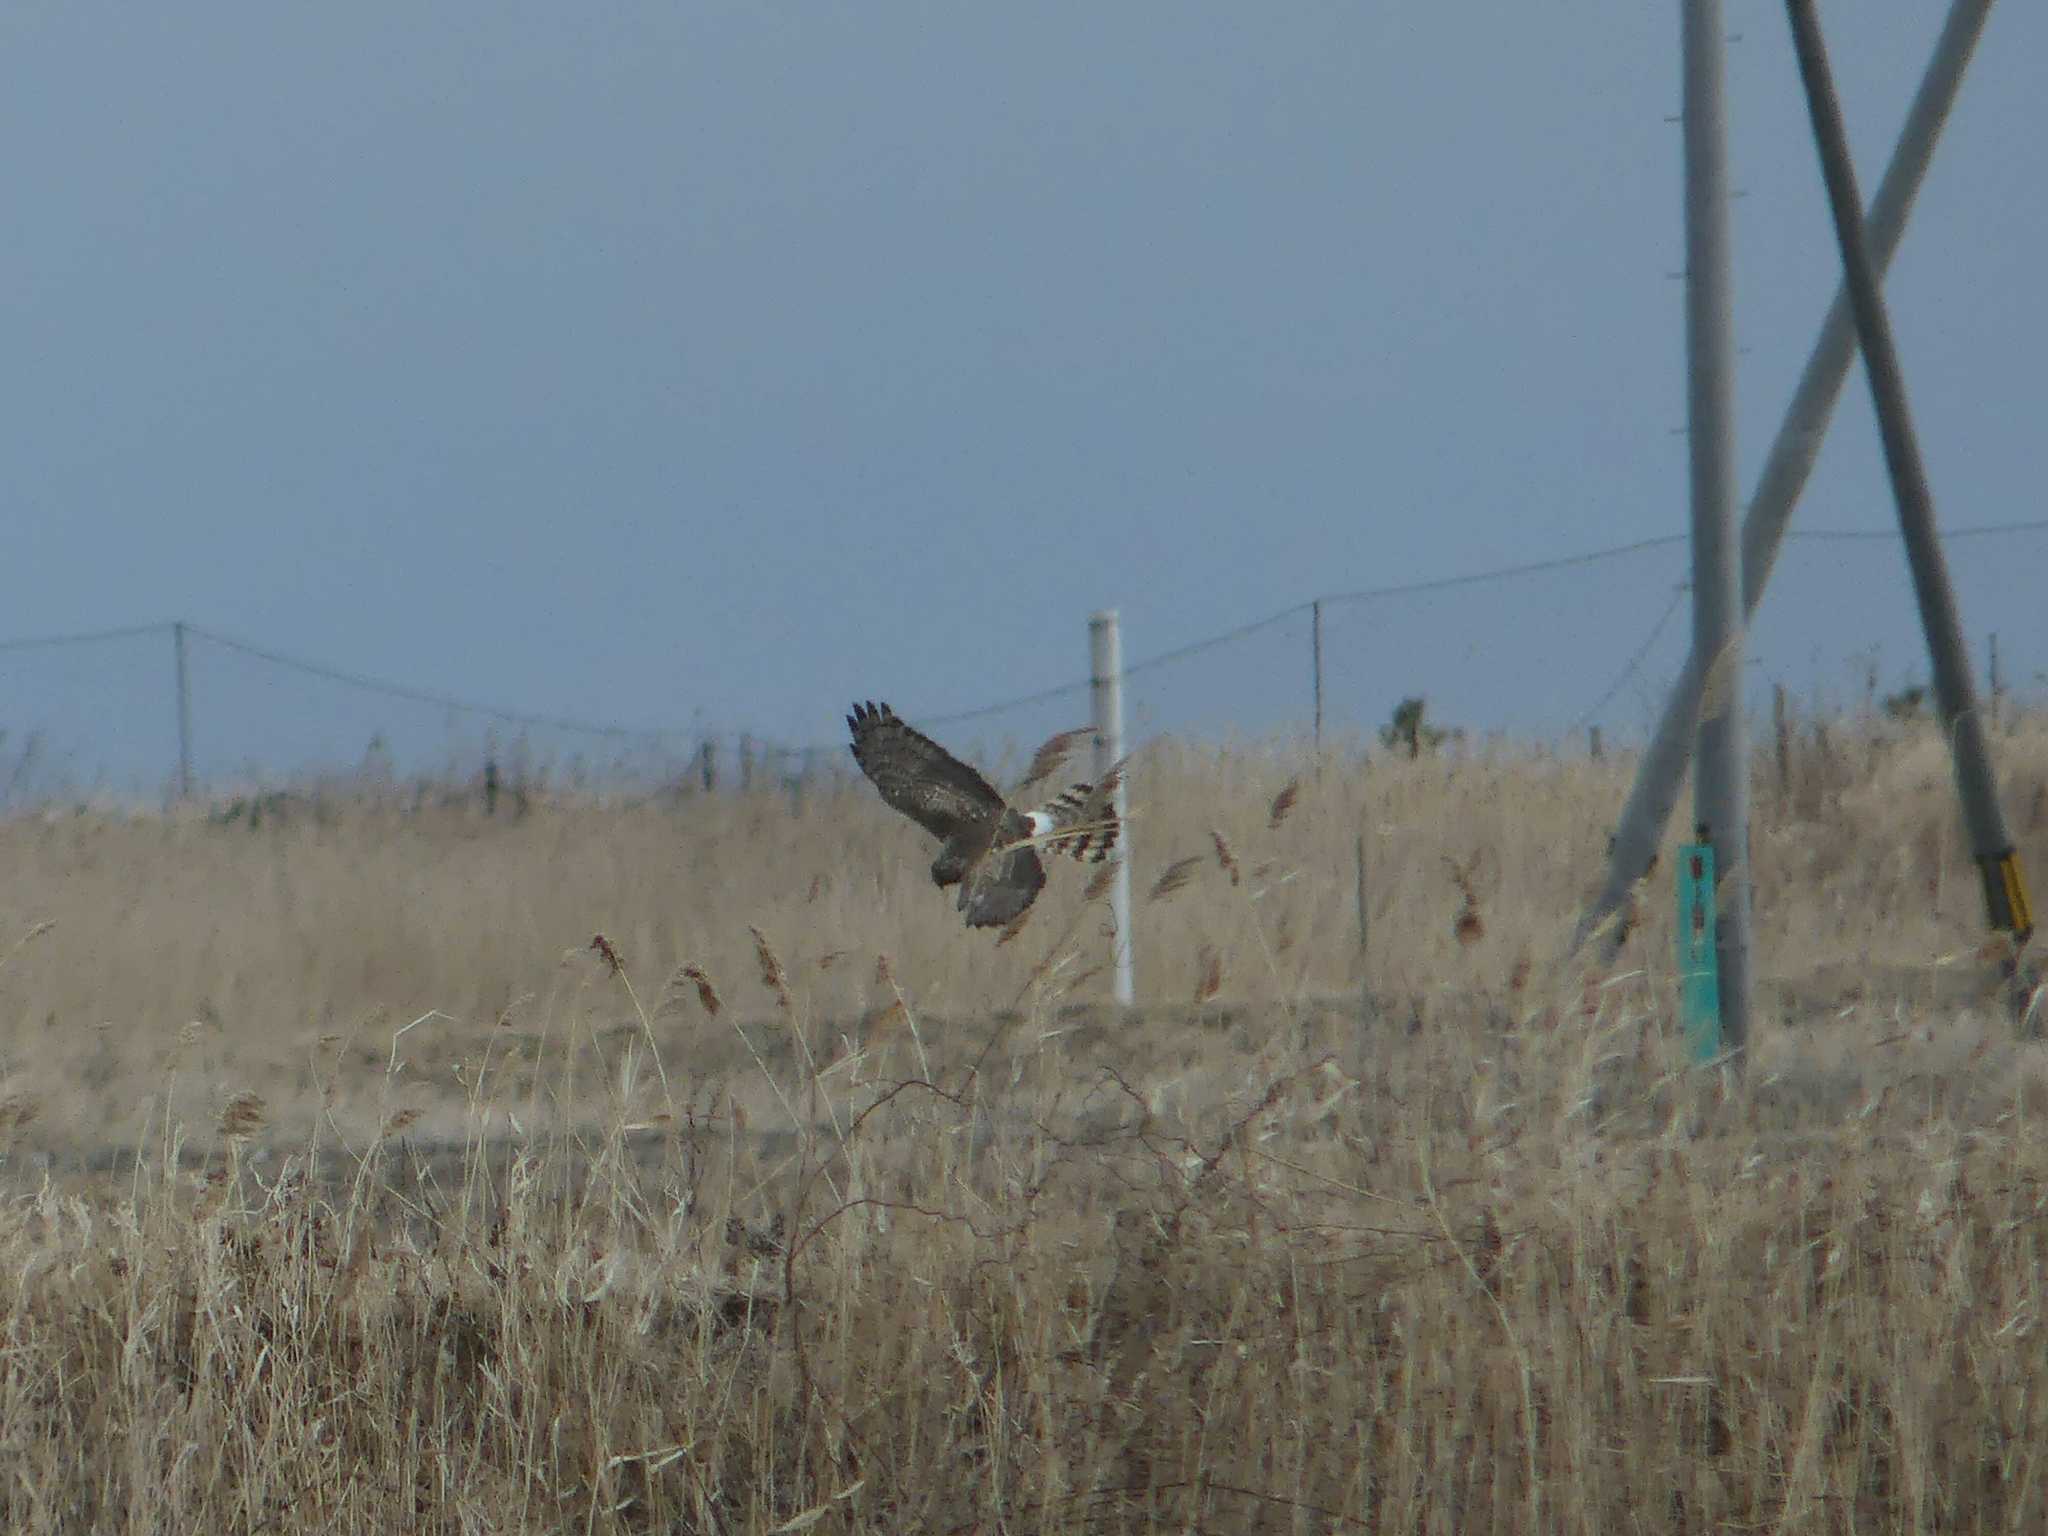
(1786, 468)
(1106, 693)
(2005, 895)
(1721, 775)
(184, 688)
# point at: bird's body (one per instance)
(986, 846)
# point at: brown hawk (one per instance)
(987, 847)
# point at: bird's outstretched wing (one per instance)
(919, 777)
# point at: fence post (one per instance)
(1781, 730)
(1997, 682)
(1364, 929)
(184, 710)
(1106, 693)
(1316, 665)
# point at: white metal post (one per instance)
(1106, 693)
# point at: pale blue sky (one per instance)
(679, 364)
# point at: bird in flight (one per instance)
(987, 847)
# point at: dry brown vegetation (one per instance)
(352, 1186)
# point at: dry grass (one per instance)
(355, 1186)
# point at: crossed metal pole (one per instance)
(1867, 248)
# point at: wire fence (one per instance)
(1570, 643)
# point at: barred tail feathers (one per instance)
(1079, 822)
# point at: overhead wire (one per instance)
(1975, 531)
(1507, 572)
(425, 695)
(1635, 662)
(1436, 584)
(84, 637)
(613, 731)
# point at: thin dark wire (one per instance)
(1506, 572)
(1196, 647)
(1021, 701)
(426, 696)
(1635, 662)
(1043, 696)
(1244, 631)
(1978, 531)
(1179, 653)
(1440, 584)
(89, 637)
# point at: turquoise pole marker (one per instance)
(1699, 976)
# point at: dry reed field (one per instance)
(352, 1184)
